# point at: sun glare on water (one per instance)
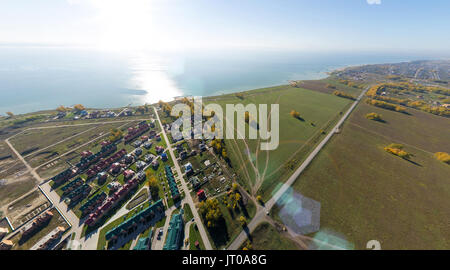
(129, 27)
(149, 73)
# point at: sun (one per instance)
(126, 25)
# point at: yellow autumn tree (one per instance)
(78, 107)
(442, 156)
(295, 114)
(374, 116)
(243, 221)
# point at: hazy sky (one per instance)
(180, 24)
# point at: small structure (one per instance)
(129, 158)
(6, 245)
(194, 181)
(148, 145)
(155, 164)
(149, 157)
(141, 176)
(183, 155)
(201, 195)
(116, 167)
(138, 152)
(164, 157)
(159, 149)
(101, 177)
(140, 165)
(188, 168)
(137, 143)
(202, 147)
(128, 174)
(113, 186)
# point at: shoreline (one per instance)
(324, 75)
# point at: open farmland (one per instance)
(90, 132)
(263, 170)
(366, 193)
(27, 142)
(267, 237)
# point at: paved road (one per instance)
(259, 216)
(187, 229)
(187, 197)
(159, 244)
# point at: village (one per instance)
(128, 192)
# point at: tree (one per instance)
(247, 117)
(10, 114)
(443, 156)
(343, 94)
(237, 197)
(78, 107)
(248, 246)
(61, 108)
(211, 212)
(153, 185)
(396, 149)
(374, 116)
(259, 199)
(141, 109)
(243, 221)
(116, 134)
(295, 114)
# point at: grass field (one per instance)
(16, 186)
(367, 193)
(187, 212)
(194, 235)
(266, 237)
(263, 170)
(26, 142)
(90, 133)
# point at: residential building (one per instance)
(175, 234)
(6, 245)
(151, 214)
(36, 225)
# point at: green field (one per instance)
(27, 141)
(266, 237)
(263, 170)
(90, 133)
(367, 193)
(194, 235)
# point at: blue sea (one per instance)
(39, 78)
